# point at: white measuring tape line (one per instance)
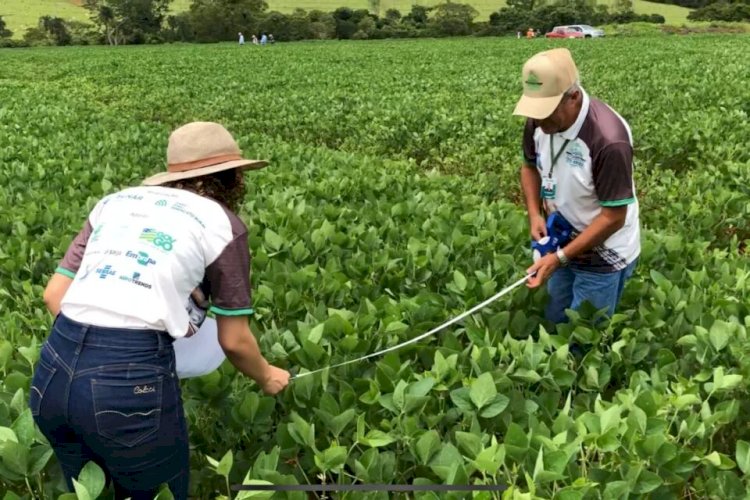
(461, 316)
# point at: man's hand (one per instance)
(275, 380)
(538, 227)
(543, 268)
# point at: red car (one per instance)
(564, 32)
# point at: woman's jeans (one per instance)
(112, 396)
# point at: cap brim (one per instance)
(537, 107)
(164, 177)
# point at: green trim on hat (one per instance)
(617, 203)
(65, 272)
(231, 312)
(533, 82)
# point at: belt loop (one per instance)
(84, 332)
(162, 343)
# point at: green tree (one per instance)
(453, 19)
(221, 20)
(127, 21)
(525, 4)
(4, 31)
(622, 5)
(57, 29)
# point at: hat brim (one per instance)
(537, 108)
(164, 177)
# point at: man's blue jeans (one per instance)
(112, 396)
(568, 288)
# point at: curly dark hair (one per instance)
(227, 187)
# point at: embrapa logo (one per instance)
(141, 257)
(158, 239)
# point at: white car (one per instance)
(588, 31)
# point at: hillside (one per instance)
(22, 14)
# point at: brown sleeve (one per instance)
(613, 175)
(529, 148)
(71, 262)
(228, 279)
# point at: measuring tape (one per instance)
(448, 323)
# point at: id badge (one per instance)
(549, 188)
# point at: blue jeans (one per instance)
(568, 288)
(112, 396)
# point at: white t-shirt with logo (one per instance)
(143, 250)
(594, 170)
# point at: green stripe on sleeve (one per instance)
(617, 203)
(231, 312)
(65, 272)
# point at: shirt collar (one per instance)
(572, 132)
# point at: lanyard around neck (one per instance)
(554, 159)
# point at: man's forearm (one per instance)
(603, 226)
(531, 183)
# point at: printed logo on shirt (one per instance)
(158, 239)
(96, 233)
(161, 203)
(104, 272)
(135, 197)
(161, 194)
(135, 279)
(182, 208)
(574, 157)
(141, 257)
(139, 215)
(143, 389)
(112, 252)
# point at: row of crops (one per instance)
(392, 204)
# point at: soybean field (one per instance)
(393, 203)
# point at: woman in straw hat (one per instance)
(139, 275)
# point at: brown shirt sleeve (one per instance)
(613, 175)
(71, 262)
(228, 279)
(529, 148)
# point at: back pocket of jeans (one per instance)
(43, 373)
(127, 411)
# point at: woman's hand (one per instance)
(275, 380)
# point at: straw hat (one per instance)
(201, 148)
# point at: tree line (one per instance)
(119, 22)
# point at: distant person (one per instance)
(518, 34)
(263, 39)
(530, 33)
(242, 38)
(270, 38)
(255, 39)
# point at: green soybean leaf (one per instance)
(482, 390)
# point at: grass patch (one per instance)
(19, 15)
